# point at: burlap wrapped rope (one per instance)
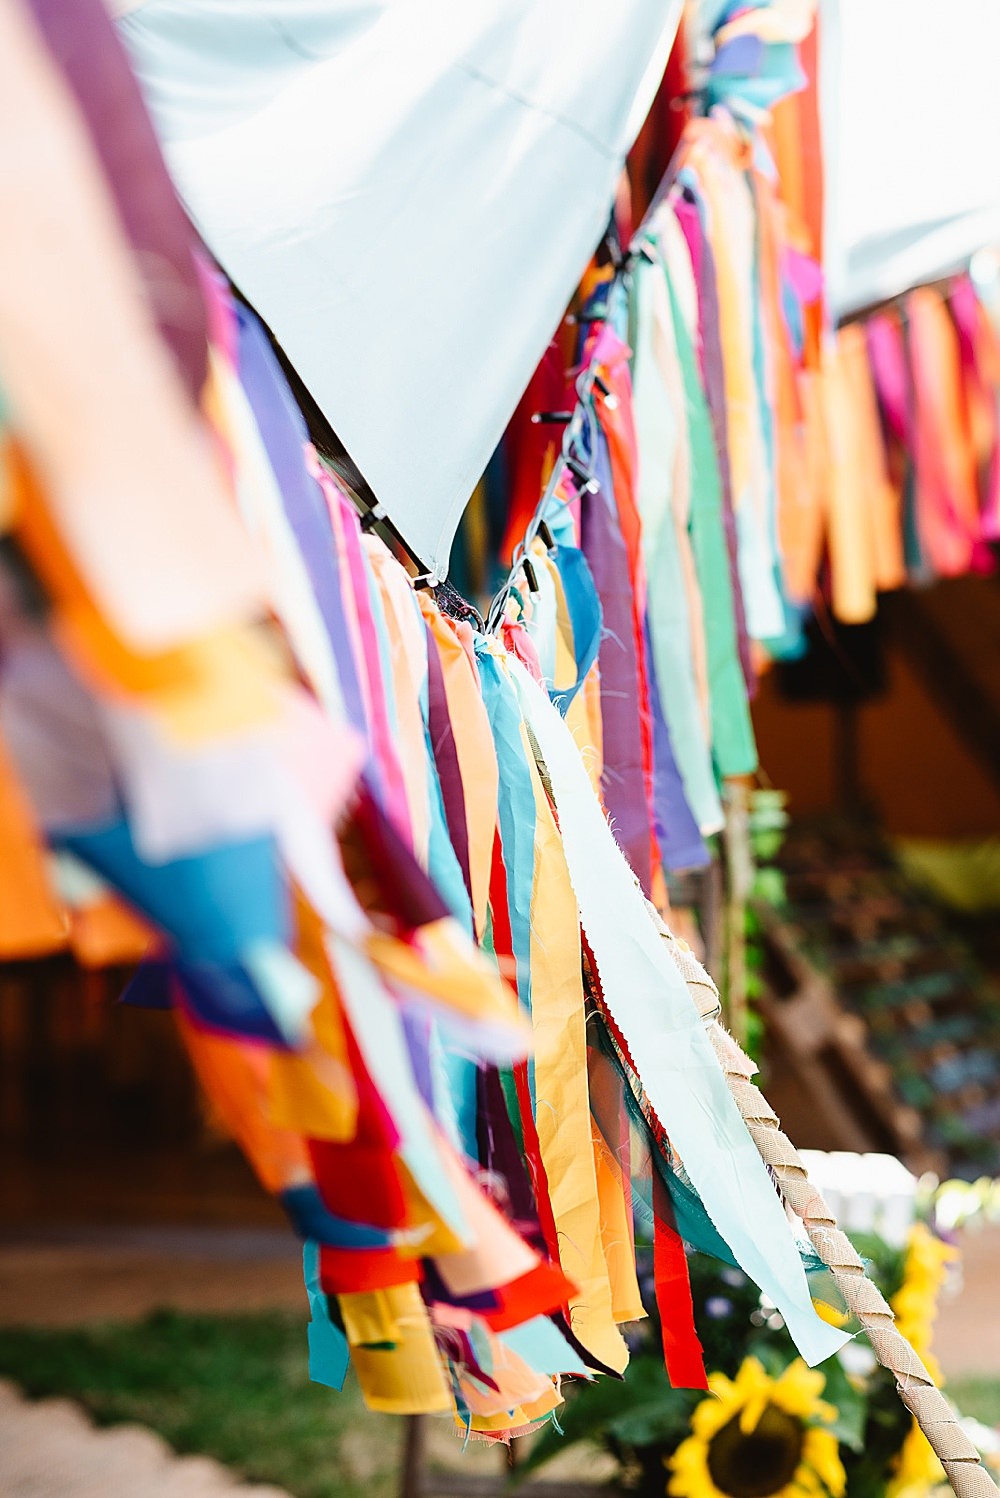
(918, 1391)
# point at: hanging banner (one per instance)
(408, 193)
(910, 113)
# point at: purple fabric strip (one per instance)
(623, 782)
(417, 1029)
(84, 46)
(434, 1290)
(500, 1155)
(283, 433)
(710, 351)
(677, 832)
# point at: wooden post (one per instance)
(411, 1485)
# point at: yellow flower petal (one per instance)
(689, 1474)
(829, 1313)
(821, 1452)
(798, 1389)
(751, 1412)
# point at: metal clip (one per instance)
(582, 475)
(550, 418)
(610, 399)
(371, 517)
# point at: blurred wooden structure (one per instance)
(882, 1030)
(101, 1119)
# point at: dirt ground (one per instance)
(68, 1278)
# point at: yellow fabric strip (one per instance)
(850, 531)
(585, 724)
(439, 962)
(565, 658)
(616, 1227)
(313, 1091)
(562, 1099)
(407, 1378)
(369, 1318)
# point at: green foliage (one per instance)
(768, 825)
(769, 887)
(886, 1423)
(979, 1398)
(884, 1263)
(640, 1410)
(851, 1406)
(643, 1419)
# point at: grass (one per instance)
(977, 1396)
(235, 1388)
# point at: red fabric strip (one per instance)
(344, 1271)
(503, 941)
(682, 1351)
(536, 1168)
(541, 1290)
(360, 1178)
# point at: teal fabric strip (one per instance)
(329, 1356)
(732, 731)
(790, 643)
(542, 1346)
(669, 614)
(516, 809)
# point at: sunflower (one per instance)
(916, 1301)
(917, 1470)
(759, 1438)
(918, 1473)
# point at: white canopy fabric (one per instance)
(408, 192)
(911, 122)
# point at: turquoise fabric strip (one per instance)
(732, 731)
(516, 809)
(669, 613)
(329, 1356)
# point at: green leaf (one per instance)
(851, 1405)
(662, 1418)
(643, 1410)
(591, 1409)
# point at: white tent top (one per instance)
(408, 192)
(911, 116)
